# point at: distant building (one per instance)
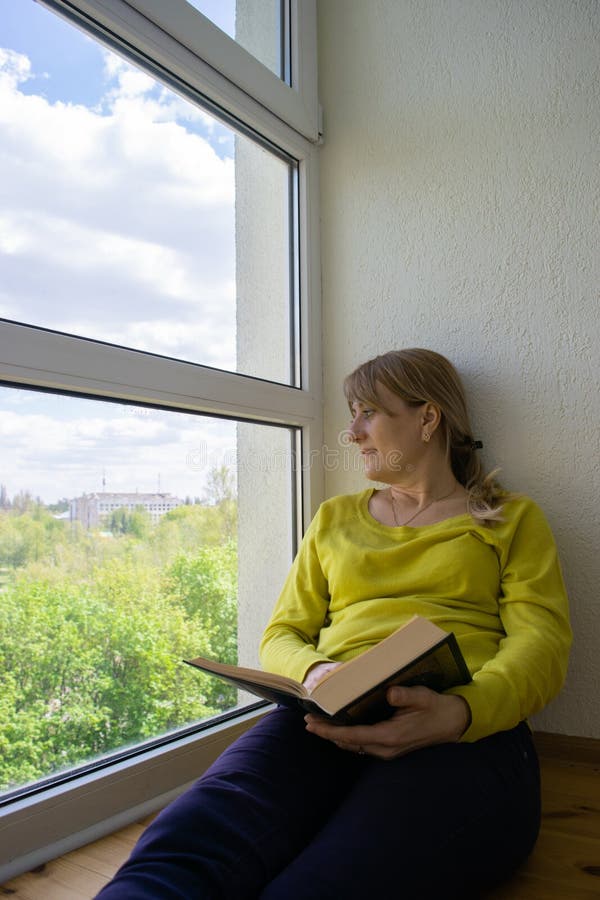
(93, 510)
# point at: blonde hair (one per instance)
(420, 376)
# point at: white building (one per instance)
(92, 510)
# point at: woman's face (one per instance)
(391, 443)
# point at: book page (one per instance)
(395, 652)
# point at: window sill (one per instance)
(37, 829)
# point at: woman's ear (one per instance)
(430, 416)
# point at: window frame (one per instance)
(87, 807)
(191, 45)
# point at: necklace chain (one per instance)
(419, 511)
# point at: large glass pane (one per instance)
(129, 540)
(257, 25)
(131, 216)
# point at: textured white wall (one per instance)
(460, 207)
(264, 478)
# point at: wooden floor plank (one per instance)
(78, 875)
(567, 859)
(574, 815)
(59, 880)
(524, 887)
(566, 746)
(103, 855)
(574, 779)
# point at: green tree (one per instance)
(220, 495)
(93, 630)
(138, 522)
(205, 585)
(60, 506)
(192, 527)
(220, 485)
(29, 536)
(24, 502)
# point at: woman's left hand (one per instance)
(422, 717)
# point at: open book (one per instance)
(417, 653)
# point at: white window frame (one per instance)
(173, 32)
(296, 104)
(36, 829)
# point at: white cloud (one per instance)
(38, 134)
(66, 452)
(117, 222)
(14, 236)
(117, 219)
(173, 336)
(21, 432)
(76, 246)
(165, 106)
(130, 82)
(15, 66)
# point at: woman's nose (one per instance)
(355, 430)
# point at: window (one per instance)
(160, 361)
(102, 594)
(284, 44)
(260, 26)
(125, 219)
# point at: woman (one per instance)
(442, 798)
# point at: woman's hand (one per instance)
(314, 675)
(422, 717)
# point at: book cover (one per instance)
(418, 653)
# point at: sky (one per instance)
(61, 447)
(117, 222)
(125, 194)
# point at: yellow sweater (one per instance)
(498, 588)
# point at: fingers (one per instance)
(349, 736)
(421, 717)
(317, 673)
(405, 701)
(413, 697)
(365, 740)
(379, 751)
(351, 748)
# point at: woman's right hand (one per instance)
(314, 675)
(422, 718)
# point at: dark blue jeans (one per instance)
(285, 815)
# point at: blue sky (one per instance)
(55, 48)
(221, 12)
(58, 48)
(68, 65)
(125, 191)
(117, 222)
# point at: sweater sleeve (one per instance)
(531, 663)
(288, 645)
